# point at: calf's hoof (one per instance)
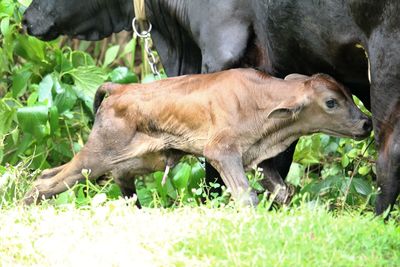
(283, 194)
(248, 199)
(31, 197)
(41, 189)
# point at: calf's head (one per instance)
(324, 105)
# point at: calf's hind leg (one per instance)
(103, 145)
(68, 176)
(51, 172)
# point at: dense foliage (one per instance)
(46, 113)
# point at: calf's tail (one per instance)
(105, 89)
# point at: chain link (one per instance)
(151, 59)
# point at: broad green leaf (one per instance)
(66, 99)
(6, 7)
(129, 47)
(331, 148)
(111, 55)
(39, 156)
(80, 58)
(82, 198)
(181, 176)
(197, 173)
(6, 114)
(5, 26)
(45, 91)
(326, 184)
(113, 191)
(31, 48)
(22, 147)
(145, 196)
(64, 198)
(53, 118)
(161, 189)
(32, 99)
(33, 120)
(87, 79)
(63, 64)
(296, 171)
(345, 161)
(123, 75)
(362, 186)
(353, 153)
(20, 81)
(364, 170)
(63, 149)
(15, 135)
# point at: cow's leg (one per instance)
(388, 168)
(385, 101)
(226, 158)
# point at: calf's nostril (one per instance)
(24, 22)
(25, 25)
(367, 126)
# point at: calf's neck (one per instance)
(235, 119)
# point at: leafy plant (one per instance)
(47, 94)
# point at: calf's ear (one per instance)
(296, 76)
(284, 113)
(288, 109)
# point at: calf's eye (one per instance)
(331, 103)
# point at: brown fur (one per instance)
(234, 118)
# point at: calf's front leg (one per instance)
(274, 183)
(228, 162)
(275, 170)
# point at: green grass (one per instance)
(119, 234)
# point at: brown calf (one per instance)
(235, 119)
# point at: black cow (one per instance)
(330, 36)
(279, 37)
(191, 36)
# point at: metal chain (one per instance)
(151, 59)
